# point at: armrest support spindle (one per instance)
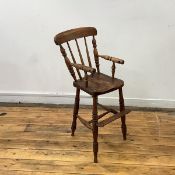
(85, 69)
(113, 69)
(114, 60)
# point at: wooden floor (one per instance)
(37, 141)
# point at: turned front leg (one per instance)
(123, 118)
(95, 128)
(75, 112)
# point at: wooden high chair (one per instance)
(94, 84)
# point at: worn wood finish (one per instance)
(148, 150)
(99, 84)
(112, 118)
(94, 84)
(74, 34)
(84, 68)
(84, 122)
(113, 59)
(100, 116)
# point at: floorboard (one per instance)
(37, 141)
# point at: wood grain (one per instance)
(74, 33)
(99, 84)
(37, 141)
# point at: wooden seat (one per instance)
(92, 81)
(99, 84)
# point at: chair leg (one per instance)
(95, 128)
(75, 112)
(123, 118)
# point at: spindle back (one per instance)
(75, 34)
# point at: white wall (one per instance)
(141, 32)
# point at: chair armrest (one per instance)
(115, 60)
(84, 68)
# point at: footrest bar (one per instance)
(84, 122)
(112, 118)
(107, 108)
(100, 116)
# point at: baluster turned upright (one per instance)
(96, 54)
(113, 69)
(73, 58)
(79, 52)
(87, 52)
(82, 62)
(68, 63)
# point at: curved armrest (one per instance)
(115, 60)
(84, 68)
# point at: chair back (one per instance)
(64, 38)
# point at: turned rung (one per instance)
(112, 118)
(100, 116)
(84, 122)
(108, 109)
